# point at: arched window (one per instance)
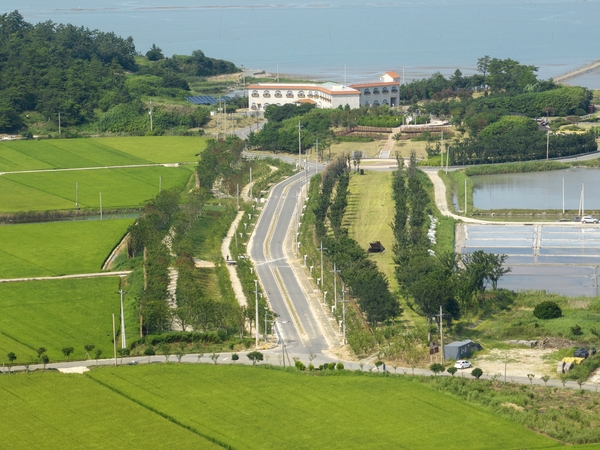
(278, 94)
(266, 94)
(375, 90)
(253, 106)
(278, 104)
(384, 90)
(394, 88)
(255, 93)
(289, 94)
(367, 92)
(376, 103)
(265, 105)
(384, 102)
(310, 94)
(301, 94)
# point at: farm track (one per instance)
(122, 273)
(74, 169)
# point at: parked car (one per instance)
(462, 364)
(589, 219)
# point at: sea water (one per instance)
(350, 39)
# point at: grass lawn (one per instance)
(518, 322)
(58, 411)
(248, 407)
(56, 314)
(56, 190)
(369, 214)
(70, 153)
(58, 248)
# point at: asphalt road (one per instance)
(297, 323)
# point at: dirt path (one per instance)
(236, 284)
(122, 273)
(98, 168)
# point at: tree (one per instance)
(180, 351)
(214, 357)
(255, 356)
(477, 372)
(40, 351)
(531, 376)
(97, 354)
(234, 357)
(545, 379)
(483, 64)
(11, 358)
(45, 360)
(165, 349)
(155, 53)
(149, 352)
(451, 370)
(88, 348)
(123, 352)
(67, 351)
(436, 368)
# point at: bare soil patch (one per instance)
(519, 362)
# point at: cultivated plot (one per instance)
(290, 410)
(58, 248)
(72, 153)
(56, 314)
(53, 410)
(120, 188)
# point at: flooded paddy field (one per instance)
(559, 258)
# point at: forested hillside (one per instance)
(49, 69)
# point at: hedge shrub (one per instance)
(547, 310)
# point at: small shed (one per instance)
(375, 247)
(460, 349)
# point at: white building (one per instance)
(326, 95)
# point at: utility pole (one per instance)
(441, 316)
(160, 183)
(547, 144)
(465, 196)
(563, 194)
(321, 248)
(447, 159)
(100, 205)
(299, 146)
(256, 300)
(77, 194)
(150, 113)
(250, 183)
(114, 340)
(237, 195)
(123, 338)
(344, 312)
(335, 271)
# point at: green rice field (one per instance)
(56, 314)
(250, 407)
(58, 248)
(73, 153)
(120, 188)
(56, 411)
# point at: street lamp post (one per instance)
(256, 301)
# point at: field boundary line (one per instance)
(71, 169)
(161, 414)
(66, 277)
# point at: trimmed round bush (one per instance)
(547, 310)
(339, 366)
